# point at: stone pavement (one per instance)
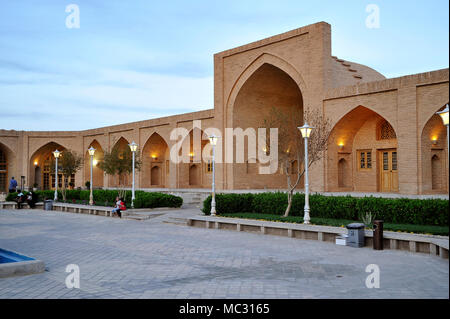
(153, 259)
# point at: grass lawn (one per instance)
(408, 228)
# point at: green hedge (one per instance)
(391, 210)
(108, 197)
(151, 200)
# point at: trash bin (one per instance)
(378, 234)
(355, 232)
(48, 204)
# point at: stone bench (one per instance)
(65, 207)
(8, 205)
(83, 209)
(416, 243)
(13, 205)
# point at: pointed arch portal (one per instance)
(434, 159)
(362, 153)
(97, 173)
(40, 170)
(155, 161)
(7, 165)
(268, 88)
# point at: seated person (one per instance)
(32, 199)
(120, 206)
(20, 199)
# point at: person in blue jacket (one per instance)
(12, 185)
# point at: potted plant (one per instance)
(35, 187)
(367, 219)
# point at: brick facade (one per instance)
(292, 70)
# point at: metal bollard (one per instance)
(378, 234)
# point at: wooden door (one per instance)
(388, 171)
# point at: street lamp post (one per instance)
(133, 146)
(56, 154)
(91, 151)
(213, 141)
(306, 132)
(444, 115)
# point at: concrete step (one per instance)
(176, 221)
(193, 201)
(135, 217)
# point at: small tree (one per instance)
(291, 143)
(120, 162)
(69, 163)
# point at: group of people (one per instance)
(31, 199)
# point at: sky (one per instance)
(140, 59)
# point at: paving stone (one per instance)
(155, 259)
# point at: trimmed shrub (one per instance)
(391, 210)
(152, 200)
(229, 203)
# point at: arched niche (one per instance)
(97, 173)
(155, 161)
(7, 167)
(434, 161)
(268, 88)
(40, 167)
(194, 173)
(122, 145)
(361, 137)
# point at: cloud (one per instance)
(108, 97)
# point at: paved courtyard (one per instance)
(153, 259)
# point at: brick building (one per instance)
(385, 137)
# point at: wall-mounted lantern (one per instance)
(434, 140)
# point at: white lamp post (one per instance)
(444, 115)
(213, 141)
(56, 155)
(133, 146)
(91, 151)
(306, 132)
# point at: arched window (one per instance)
(386, 131)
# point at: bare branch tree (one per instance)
(291, 144)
